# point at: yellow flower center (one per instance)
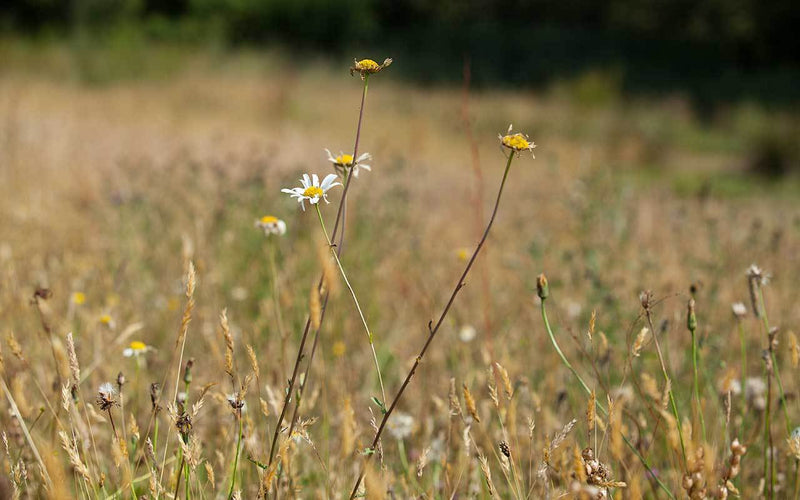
(78, 298)
(517, 142)
(313, 191)
(344, 160)
(368, 64)
(268, 219)
(105, 319)
(138, 346)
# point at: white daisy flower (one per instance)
(344, 161)
(136, 348)
(312, 190)
(271, 225)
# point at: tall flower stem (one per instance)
(697, 385)
(775, 369)
(666, 379)
(307, 328)
(599, 406)
(236, 458)
(355, 301)
(433, 329)
(743, 341)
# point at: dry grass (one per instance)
(111, 192)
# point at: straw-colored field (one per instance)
(108, 193)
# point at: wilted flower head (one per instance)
(368, 66)
(401, 425)
(345, 161)
(135, 348)
(236, 402)
(271, 225)
(739, 310)
(105, 396)
(756, 274)
(312, 190)
(517, 142)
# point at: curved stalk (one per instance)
(355, 301)
(433, 329)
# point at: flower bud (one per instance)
(542, 288)
(691, 319)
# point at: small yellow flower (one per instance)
(344, 161)
(368, 66)
(517, 142)
(271, 225)
(108, 321)
(78, 298)
(136, 348)
(462, 254)
(338, 348)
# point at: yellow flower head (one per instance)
(271, 225)
(269, 219)
(106, 319)
(313, 191)
(346, 161)
(517, 142)
(135, 348)
(368, 66)
(78, 298)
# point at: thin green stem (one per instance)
(355, 300)
(599, 405)
(433, 329)
(697, 386)
(236, 458)
(667, 381)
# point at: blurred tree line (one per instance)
(714, 49)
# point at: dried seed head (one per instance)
(646, 299)
(251, 355)
(639, 342)
(106, 396)
(739, 310)
(470, 402)
(155, 394)
(226, 334)
(74, 368)
(504, 449)
(506, 381)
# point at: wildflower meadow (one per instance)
(270, 278)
